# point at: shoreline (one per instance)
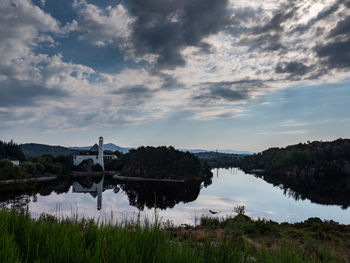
(142, 179)
(78, 174)
(52, 177)
(27, 180)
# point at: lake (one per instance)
(178, 202)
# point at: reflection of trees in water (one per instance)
(290, 193)
(140, 194)
(160, 195)
(333, 191)
(19, 196)
(18, 202)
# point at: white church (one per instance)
(95, 153)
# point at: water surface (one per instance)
(176, 202)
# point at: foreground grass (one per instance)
(23, 239)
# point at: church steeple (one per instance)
(100, 151)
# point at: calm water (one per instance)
(230, 187)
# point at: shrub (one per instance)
(29, 167)
(54, 168)
(86, 165)
(5, 163)
(40, 167)
(239, 209)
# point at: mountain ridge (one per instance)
(36, 149)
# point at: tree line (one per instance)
(162, 162)
(11, 149)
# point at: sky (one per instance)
(224, 74)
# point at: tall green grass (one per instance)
(48, 239)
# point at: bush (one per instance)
(40, 167)
(54, 168)
(29, 167)
(47, 158)
(114, 165)
(66, 162)
(6, 163)
(239, 209)
(85, 165)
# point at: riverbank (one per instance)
(236, 239)
(52, 177)
(141, 179)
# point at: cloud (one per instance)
(322, 14)
(292, 123)
(287, 132)
(309, 40)
(336, 53)
(26, 76)
(134, 95)
(164, 28)
(342, 28)
(30, 93)
(206, 58)
(216, 112)
(293, 68)
(102, 27)
(228, 91)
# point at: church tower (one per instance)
(100, 152)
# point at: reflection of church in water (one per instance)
(94, 189)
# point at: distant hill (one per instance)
(36, 150)
(107, 147)
(219, 151)
(220, 159)
(113, 147)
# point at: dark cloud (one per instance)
(347, 4)
(229, 91)
(293, 68)
(137, 90)
(240, 18)
(23, 93)
(224, 93)
(275, 24)
(134, 95)
(266, 34)
(165, 27)
(265, 42)
(332, 52)
(7, 118)
(169, 82)
(335, 54)
(342, 28)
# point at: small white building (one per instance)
(95, 153)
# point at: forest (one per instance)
(311, 158)
(163, 162)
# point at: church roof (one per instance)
(94, 148)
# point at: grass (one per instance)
(238, 239)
